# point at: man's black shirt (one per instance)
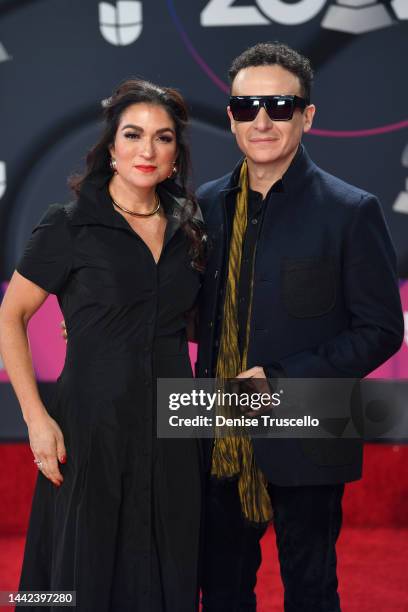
(256, 212)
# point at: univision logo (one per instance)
(2, 178)
(122, 24)
(351, 16)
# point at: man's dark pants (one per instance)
(307, 522)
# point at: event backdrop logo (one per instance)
(3, 182)
(401, 8)
(348, 16)
(122, 24)
(401, 203)
(221, 12)
(4, 56)
(356, 16)
(352, 16)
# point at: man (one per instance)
(301, 282)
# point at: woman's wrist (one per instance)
(34, 413)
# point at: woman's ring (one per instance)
(39, 463)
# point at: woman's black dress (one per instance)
(123, 529)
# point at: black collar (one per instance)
(299, 167)
(94, 205)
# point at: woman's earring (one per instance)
(174, 171)
(112, 164)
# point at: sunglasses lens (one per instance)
(279, 108)
(244, 110)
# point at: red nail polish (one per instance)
(63, 459)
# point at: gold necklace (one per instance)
(139, 214)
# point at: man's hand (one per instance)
(256, 372)
(255, 382)
(64, 330)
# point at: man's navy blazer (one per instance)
(326, 301)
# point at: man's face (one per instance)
(264, 141)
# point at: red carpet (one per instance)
(372, 550)
(371, 567)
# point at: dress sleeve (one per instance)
(47, 258)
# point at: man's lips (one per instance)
(263, 139)
(146, 168)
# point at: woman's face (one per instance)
(145, 146)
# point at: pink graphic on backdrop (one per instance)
(192, 348)
(46, 343)
(3, 374)
(48, 347)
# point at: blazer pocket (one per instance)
(308, 286)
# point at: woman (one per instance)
(116, 511)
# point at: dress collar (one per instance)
(94, 205)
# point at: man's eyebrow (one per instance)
(140, 129)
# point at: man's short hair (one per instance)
(271, 54)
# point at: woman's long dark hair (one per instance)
(134, 91)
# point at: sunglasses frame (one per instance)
(296, 102)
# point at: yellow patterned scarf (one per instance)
(233, 455)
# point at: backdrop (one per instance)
(60, 58)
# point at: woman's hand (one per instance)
(23, 298)
(47, 444)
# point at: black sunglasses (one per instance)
(279, 108)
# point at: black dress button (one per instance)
(254, 221)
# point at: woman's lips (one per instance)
(146, 169)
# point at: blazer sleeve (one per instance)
(47, 258)
(371, 291)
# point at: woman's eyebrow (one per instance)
(166, 129)
(133, 127)
(140, 129)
